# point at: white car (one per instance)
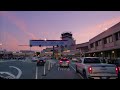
(64, 62)
(91, 67)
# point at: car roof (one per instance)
(89, 57)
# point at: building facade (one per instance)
(106, 44)
(82, 48)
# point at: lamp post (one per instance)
(45, 45)
(1, 45)
(1, 48)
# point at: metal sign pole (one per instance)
(53, 52)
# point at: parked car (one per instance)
(41, 62)
(64, 62)
(92, 68)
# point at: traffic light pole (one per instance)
(53, 52)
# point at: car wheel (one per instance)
(77, 70)
(84, 74)
(37, 64)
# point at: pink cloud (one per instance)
(90, 32)
(12, 44)
(19, 23)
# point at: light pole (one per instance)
(1, 45)
(45, 45)
(1, 48)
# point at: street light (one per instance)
(45, 39)
(1, 45)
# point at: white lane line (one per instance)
(58, 68)
(75, 71)
(10, 74)
(36, 74)
(19, 72)
(8, 61)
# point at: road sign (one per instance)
(48, 42)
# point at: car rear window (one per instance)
(92, 60)
(64, 59)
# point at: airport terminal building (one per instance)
(105, 45)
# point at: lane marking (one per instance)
(19, 72)
(36, 74)
(10, 74)
(58, 68)
(8, 61)
(75, 71)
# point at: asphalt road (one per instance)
(25, 69)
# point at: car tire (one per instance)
(77, 70)
(37, 64)
(84, 74)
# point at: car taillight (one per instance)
(90, 69)
(116, 70)
(60, 61)
(67, 61)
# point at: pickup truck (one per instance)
(92, 68)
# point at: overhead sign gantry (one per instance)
(48, 43)
(59, 43)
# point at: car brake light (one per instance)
(60, 61)
(90, 69)
(67, 61)
(116, 70)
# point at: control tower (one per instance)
(71, 41)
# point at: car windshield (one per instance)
(91, 60)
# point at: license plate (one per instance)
(104, 77)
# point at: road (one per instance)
(25, 69)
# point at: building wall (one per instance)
(106, 44)
(111, 41)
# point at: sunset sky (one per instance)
(18, 27)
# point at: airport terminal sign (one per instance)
(48, 42)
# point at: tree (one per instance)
(37, 53)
